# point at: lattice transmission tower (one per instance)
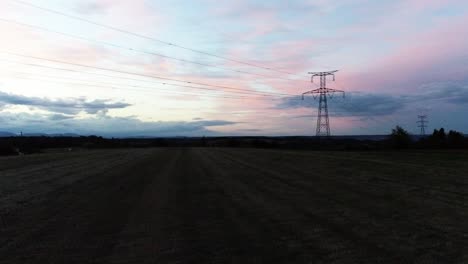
(422, 123)
(323, 121)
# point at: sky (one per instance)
(126, 68)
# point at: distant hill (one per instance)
(64, 135)
(9, 134)
(363, 137)
(50, 135)
(6, 134)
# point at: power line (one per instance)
(139, 80)
(257, 95)
(125, 78)
(159, 91)
(138, 74)
(149, 38)
(148, 89)
(106, 84)
(139, 51)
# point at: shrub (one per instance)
(400, 138)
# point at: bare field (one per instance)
(207, 205)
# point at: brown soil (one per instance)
(206, 205)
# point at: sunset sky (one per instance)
(98, 66)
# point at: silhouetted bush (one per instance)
(400, 138)
(438, 139)
(455, 139)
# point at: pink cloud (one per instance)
(258, 20)
(429, 56)
(136, 14)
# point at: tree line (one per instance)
(398, 139)
(401, 139)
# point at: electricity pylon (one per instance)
(422, 124)
(323, 122)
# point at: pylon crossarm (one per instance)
(322, 73)
(333, 91)
(324, 90)
(309, 92)
(330, 90)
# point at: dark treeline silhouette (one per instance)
(398, 139)
(401, 139)
(441, 139)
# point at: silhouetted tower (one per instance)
(422, 124)
(323, 122)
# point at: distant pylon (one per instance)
(422, 124)
(323, 122)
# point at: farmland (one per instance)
(220, 205)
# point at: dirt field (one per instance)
(234, 206)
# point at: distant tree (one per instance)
(400, 138)
(438, 138)
(455, 139)
(439, 134)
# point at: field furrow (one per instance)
(210, 205)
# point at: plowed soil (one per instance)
(208, 205)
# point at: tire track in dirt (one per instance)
(52, 170)
(451, 232)
(206, 205)
(450, 177)
(203, 224)
(79, 223)
(293, 242)
(15, 162)
(191, 215)
(24, 193)
(428, 191)
(310, 231)
(145, 236)
(290, 182)
(252, 236)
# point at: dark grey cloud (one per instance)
(371, 104)
(106, 125)
(95, 7)
(435, 94)
(58, 117)
(451, 92)
(355, 105)
(249, 130)
(69, 106)
(305, 116)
